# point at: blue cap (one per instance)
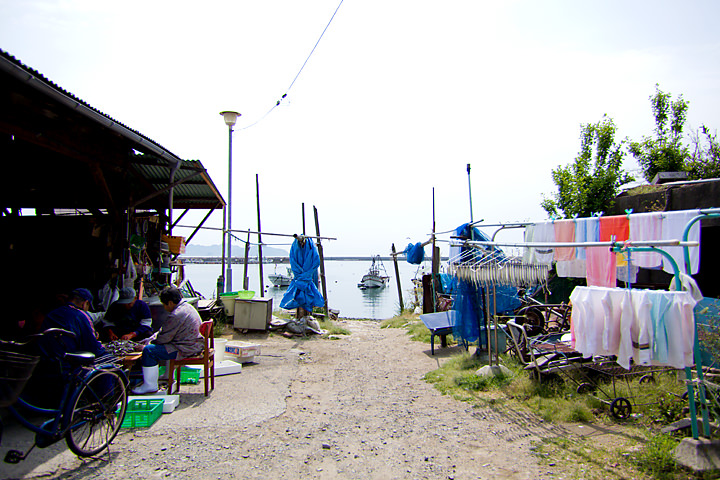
(83, 293)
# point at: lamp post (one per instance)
(230, 119)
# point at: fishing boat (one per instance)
(280, 280)
(376, 277)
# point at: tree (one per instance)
(592, 182)
(665, 152)
(705, 160)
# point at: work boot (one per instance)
(150, 381)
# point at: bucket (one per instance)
(228, 300)
(220, 349)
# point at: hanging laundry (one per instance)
(646, 226)
(649, 327)
(581, 235)
(544, 232)
(673, 226)
(564, 232)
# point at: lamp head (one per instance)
(230, 117)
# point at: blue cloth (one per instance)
(73, 319)
(153, 354)
(414, 254)
(303, 291)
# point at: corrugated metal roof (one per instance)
(63, 153)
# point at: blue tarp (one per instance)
(303, 291)
(414, 254)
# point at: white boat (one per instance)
(280, 280)
(376, 277)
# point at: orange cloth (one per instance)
(618, 225)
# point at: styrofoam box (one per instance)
(241, 351)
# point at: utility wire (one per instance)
(277, 104)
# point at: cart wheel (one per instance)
(620, 408)
(585, 388)
(535, 319)
(647, 379)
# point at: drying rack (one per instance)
(653, 246)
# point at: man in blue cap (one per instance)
(74, 316)
(128, 318)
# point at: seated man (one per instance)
(128, 318)
(49, 377)
(179, 337)
(74, 316)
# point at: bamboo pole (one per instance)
(322, 259)
(397, 279)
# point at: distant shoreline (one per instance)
(281, 260)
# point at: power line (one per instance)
(277, 104)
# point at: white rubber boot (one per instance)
(150, 381)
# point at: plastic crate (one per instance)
(142, 413)
(187, 375)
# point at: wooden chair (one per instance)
(207, 359)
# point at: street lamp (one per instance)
(230, 119)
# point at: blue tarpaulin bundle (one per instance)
(415, 254)
(303, 291)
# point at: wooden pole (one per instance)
(397, 279)
(322, 260)
(246, 279)
(260, 256)
(303, 219)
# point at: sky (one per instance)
(379, 123)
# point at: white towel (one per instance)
(646, 226)
(673, 226)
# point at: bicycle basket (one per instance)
(15, 371)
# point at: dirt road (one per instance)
(354, 408)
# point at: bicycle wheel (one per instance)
(97, 412)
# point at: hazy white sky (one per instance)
(398, 97)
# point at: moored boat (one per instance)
(280, 280)
(376, 277)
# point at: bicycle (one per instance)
(92, 404)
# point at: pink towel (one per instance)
(646, 226)
(564, 232)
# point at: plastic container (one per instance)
(187, 375)
(142, 413)
(245, 294)
(220, 349)
(228, 300)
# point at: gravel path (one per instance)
(353, 408)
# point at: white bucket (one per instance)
(220, 349)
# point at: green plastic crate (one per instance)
(142, 413)
(187, 375)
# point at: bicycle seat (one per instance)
(80, 358)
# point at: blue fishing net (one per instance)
(469, 297)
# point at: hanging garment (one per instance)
(544, 233)
(649, 327)
(646, 226)
(600, 267)
(573, 268)
(673, 226)
(564, 232)
(581, 235)
(617, 226)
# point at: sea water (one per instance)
(342, 290)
